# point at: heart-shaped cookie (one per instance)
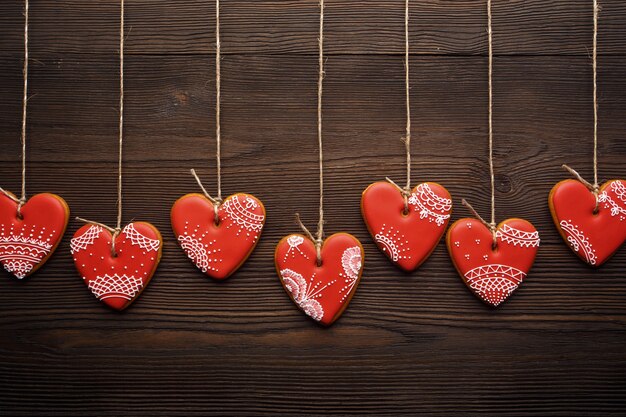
(26, 243)
(407, 239)
(493, 274)
(117, 280)
(322, 292)
(594, 237)
(219, 249)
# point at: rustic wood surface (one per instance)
(408, 343)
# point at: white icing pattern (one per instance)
(430, 205)
(242, 216)
(115, 286)
(494, 283)
(203, 255)
(294, 242)
(140, 240)
(393, 243)
(21, 250)
(351, 261)
(620, 193)
(305, 293)
(579, 242)
(518, 237)
(85, 240)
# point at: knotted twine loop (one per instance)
(114, 231)
(594, 188)
(20, 201)
(217, 202)
(492, 226)
(405, 191)
(318, 241)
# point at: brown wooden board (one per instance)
(408, 343)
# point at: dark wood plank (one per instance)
(560, 27)
(409, 343)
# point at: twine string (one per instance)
(316, 240)
(215, 201)
(115, 231)
(121, 125)
(492, 226)
(406, 190)
(491, 168)
(595, 187)
(218, 100)
(596, 13)
(407, 138)
(320, 89)
(319, 238)
(22, 200)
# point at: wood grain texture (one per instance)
(409, 343)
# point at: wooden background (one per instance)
(408, 343)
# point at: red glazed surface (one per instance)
(27, 243)
(593, 237)
(117, 280)
(218, 250)
(322, 292)
(493, 275)
(407, 239)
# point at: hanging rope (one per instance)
(492, 224)
(218, 100)
(22, 200)
(216, 201)
(595, 187)
(319, 238)
(406, 190)
(118, 228)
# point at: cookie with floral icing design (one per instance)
(594, 237)
(493, 274)
(407, 239)
(218, 250)
(117, 280)
(26, 243)
(322, 292)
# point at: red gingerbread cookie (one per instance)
(493, 274)
(26, 243)
(117, 280)
(219, 249)
(594, 237)
(323, 291)
(407, 239)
